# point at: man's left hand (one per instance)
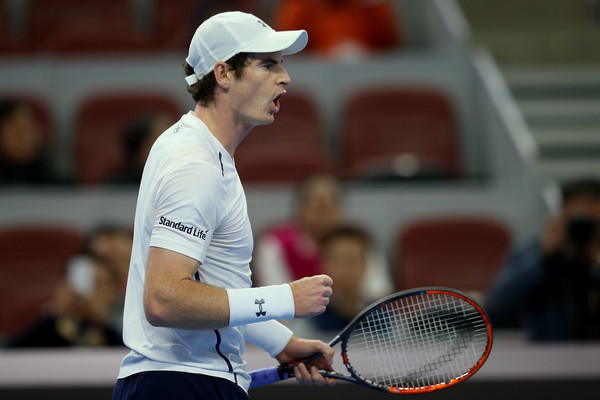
(299, 349)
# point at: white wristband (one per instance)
(251, 305)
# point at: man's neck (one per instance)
(222, 125)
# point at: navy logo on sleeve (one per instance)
(189, 229)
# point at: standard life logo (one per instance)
(189, 229)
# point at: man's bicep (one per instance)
(166, 265)
(166, 270)
(173, 299)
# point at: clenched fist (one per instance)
(311, 295)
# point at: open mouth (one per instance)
(276, 101)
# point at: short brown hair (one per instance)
(346, 231)
(203, 91)
(583, 187)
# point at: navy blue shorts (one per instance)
(166, 385)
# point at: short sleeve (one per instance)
(188, 208)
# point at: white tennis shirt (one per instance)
(191, 201)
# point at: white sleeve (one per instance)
(271, 336)
(269, 266)
(188, 205)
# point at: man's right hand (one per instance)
(311, 295)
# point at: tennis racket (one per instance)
(415, 341)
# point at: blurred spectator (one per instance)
(138, 139)
(551, 285)
(79, 312)
(345, 251)
(23, 159)
(291, 250)
(112, 244)
(342, 29)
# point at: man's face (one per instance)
(255, 97)
(21, 136)
(345, 260)
(320, 206)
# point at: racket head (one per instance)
(417, 341)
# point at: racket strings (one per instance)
(418, 341)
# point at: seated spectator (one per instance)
(290, 250)
(112, 244)
(23, 159)
(551, 285)
(341, 29)
(345, 252)
(78, 314)
(138, 139)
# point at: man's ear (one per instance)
(222, 77)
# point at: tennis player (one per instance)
(189, 304)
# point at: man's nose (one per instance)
(285, 78)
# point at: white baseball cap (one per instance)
(226, 34)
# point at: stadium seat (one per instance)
(461, 252)
(8, 43)
(172, 24)
(99, 127)
(175, 21)
(34, 260)
(83, 26)
(289, 149)
(400, 132)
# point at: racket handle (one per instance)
(264, 376)
(268, 375)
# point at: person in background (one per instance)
(291, 249)
(23, 159)
(112, 244)
(550, 285)
(79, 312)
(138, 139)
(342, 29)
(345, 252)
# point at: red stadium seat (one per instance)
(76, 26)
(400, 132)
(175, 21)
(99, 128)
(288, 150)
(172, 27)
(8, 43)
(34, 260)
(464, 253)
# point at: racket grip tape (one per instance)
(264, 376)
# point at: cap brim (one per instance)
(288, 42)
